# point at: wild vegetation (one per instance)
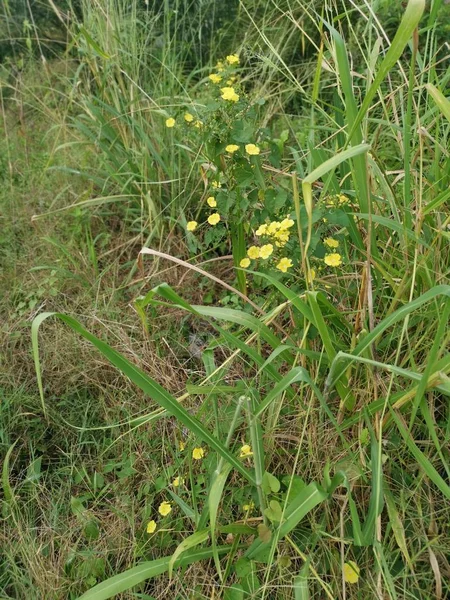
(225, 300)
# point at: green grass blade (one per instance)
(408, 24)
(187, 544)
(442, 102)
(147, 570)
(143, 381)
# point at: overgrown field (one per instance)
(225, 297)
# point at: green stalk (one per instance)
(258, 453)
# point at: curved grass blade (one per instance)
(143, 381)
(147, 570)
(190, 542)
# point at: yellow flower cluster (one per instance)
(233, 59)
(336, 200)
(277, 230)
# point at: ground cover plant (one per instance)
(225, 260)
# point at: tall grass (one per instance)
(341, 385)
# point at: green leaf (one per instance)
(190, 542)
(270, 483)
(274, 512)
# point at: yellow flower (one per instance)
(343, 199)
(188, 117)
(262, 230)
(249, 507)
(211, 201)
(170, 122)
(333, 260)
(253, 252)
(198, 124)
(228, 93)
(273, 227)
(164, 508)
(198, 453)
(215, 78)
(191, 225)
(330, 242)
(181, 446)
(246, 450)
(233, 59)
(177, 481)
(151, 526)
(286, 223)
(219, 65)
(245, 262)
(232, 148)
(351, 572)
(252, 149)
(284, 264)
(214, 219)
(266, 251)
(216, 184)
(312, 275)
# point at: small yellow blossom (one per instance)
(211, 201)
(245, 262)
(216, 184)
(215, 78)
(164, 508)
(343, 199)
(252, 149)
(284, 264)
(253, 252)
(330, 242)
(214, 219)
(246, 450)
(191, 225)
(170, 122)
(151, 526)
(177, 481)
(198, 124)
(198, 453)
(181, 445)
(273, 227)
(333, 260)
(188, 117)
(266, 251)
(233, 59)
(262, 230)
(219, 65)
(249, 507)
(286, 223)
(228, 93)
(232, 148)
(351, 572)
